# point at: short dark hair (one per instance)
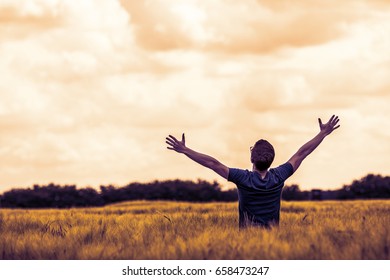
(262, 154)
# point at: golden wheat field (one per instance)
(175, 230)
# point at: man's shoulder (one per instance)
(238, 174)
(287, 165)
(241, 171)
(284, 170)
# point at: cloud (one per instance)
(155, 25)
(88, 97)
(259, 27)
(254, 28)
(19, 19)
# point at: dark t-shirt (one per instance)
(259, 198)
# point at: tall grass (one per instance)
(173, 230)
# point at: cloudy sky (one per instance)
(90, 89)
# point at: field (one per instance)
(175, 230)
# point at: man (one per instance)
(259, 190)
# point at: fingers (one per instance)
(334, 121)
(172, 138)
(330, 125)
(173, 143)
(170, 143)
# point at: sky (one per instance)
(90, 89)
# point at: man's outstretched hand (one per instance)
(328, 127)
(176, 145)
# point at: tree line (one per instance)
(369, 187)
(57, 196)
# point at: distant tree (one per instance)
(291, 192)
(371, 186)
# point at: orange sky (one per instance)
(90, 89)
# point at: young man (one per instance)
(259, 190)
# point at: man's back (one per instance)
(259, 198)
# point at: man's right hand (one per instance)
(328, 127)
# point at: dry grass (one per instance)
(170, 230)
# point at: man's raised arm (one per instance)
(205, 160)
(305, 150)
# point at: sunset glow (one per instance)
(90, 89)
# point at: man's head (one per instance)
(262, 155)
